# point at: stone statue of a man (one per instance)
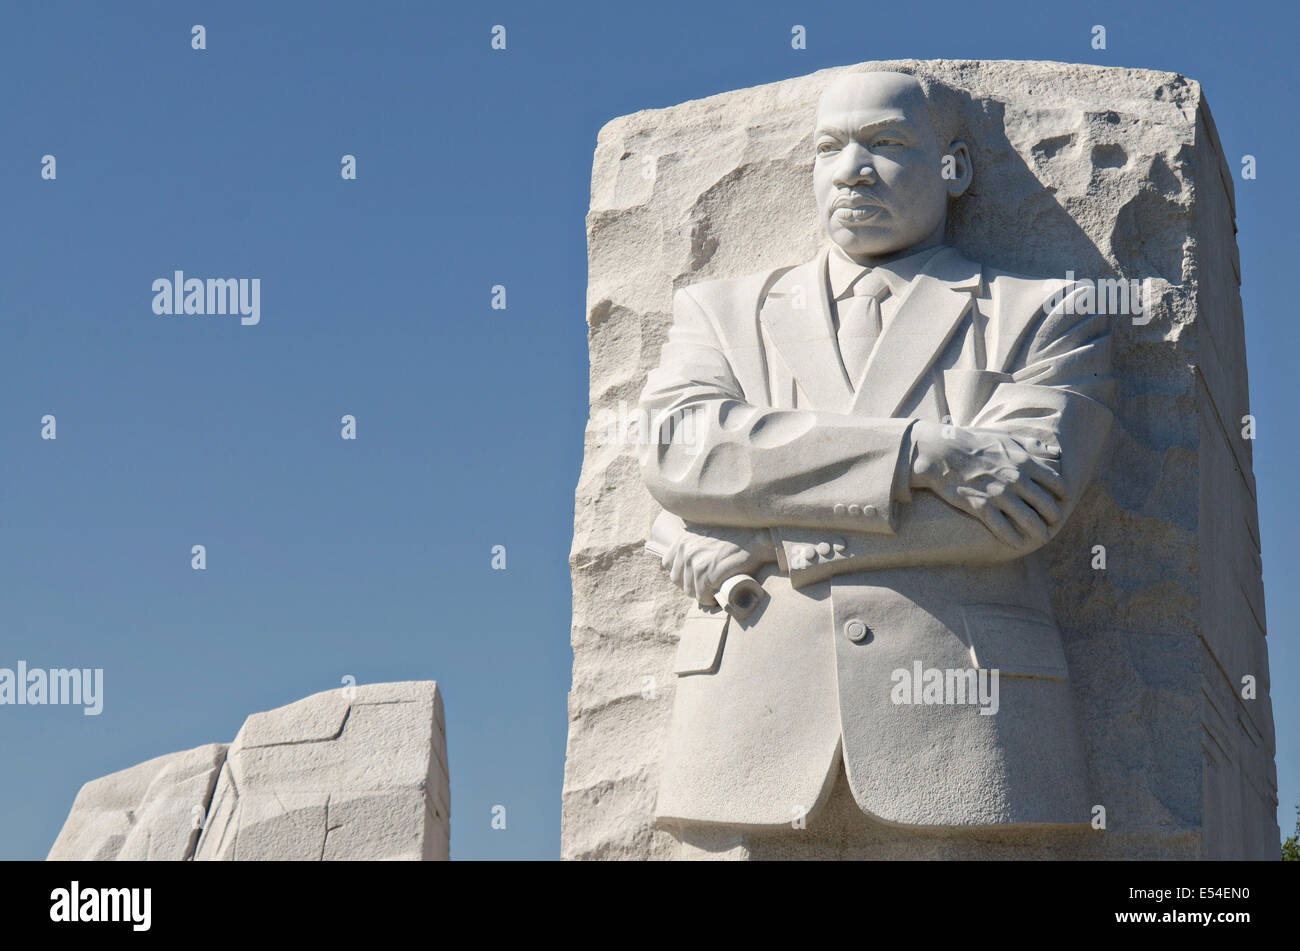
(882, 438)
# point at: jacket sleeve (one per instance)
(715, 456)
(1058, 391)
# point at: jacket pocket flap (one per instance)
(1015, 641)
(699, 648)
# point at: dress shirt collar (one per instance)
(843, 272)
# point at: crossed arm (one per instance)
(823, 493)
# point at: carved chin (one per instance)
(860, 236)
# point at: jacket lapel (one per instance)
(920, 328)
(796, 315)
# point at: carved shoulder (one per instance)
(731, 305)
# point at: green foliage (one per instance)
(1291, 846)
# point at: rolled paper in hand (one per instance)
(739, 595)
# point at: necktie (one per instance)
(860, 324)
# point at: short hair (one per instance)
(946, 105)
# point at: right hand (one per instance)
(988, 474)
(705, 556)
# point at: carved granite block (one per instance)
(344, 774)
(151, 811)
(702, 218)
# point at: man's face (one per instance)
(877, 172)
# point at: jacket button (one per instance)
(869, 511)
(839, 508)
(855, 630)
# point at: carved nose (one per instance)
(858, 171)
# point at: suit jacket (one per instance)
(780, 438)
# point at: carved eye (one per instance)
(827, 147)
(885, 142)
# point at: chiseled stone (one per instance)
(333, 778)
(1081, 173)
(356, 773)
(151, 811)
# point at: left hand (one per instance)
(1015, 490)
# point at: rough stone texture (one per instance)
(151, 811)
(338, 775)
(329, 778)
(1103, 172)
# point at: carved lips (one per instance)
(855, 209)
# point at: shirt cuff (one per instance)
(781, 561)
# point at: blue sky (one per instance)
(373, 558)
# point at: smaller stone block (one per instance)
(151, 811)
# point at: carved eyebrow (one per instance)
(893, 123)
(867, 130)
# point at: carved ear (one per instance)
(958, 171)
